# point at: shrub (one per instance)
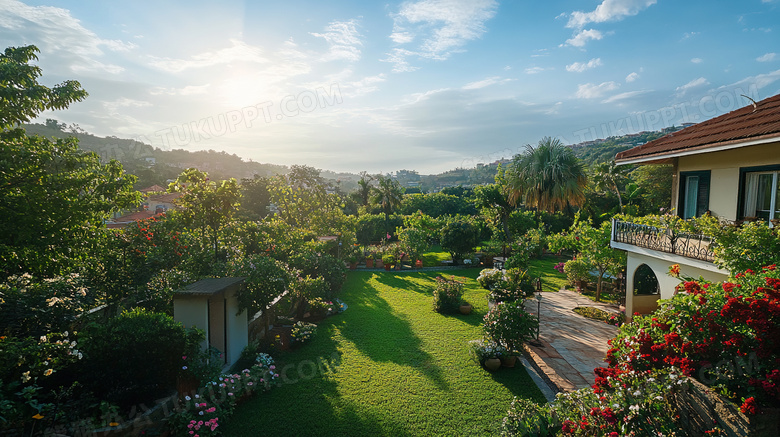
(507, 285)
(532, 243)
(330, 268)
(726, 335)
(458, 237)
(30, 307)
(632, 404)
(134, 357)
(509, 324)
(481, 350)
(303, 332)
(518, 260)
(576, 270)
(266, 278)
(447, 295)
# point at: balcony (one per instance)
(695, 246)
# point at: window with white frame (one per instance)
(761, 195)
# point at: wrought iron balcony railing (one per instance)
(696, 246)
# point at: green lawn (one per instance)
(404, 370)
(434, 256)
(552, 280)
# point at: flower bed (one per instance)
(608, 317)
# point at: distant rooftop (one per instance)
(749, 125)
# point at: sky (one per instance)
(425, 85)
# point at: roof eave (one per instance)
(658, 158)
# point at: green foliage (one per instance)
(255, 199)
(481, 350)
(331, 269)
(30, 307)
(633, 404)
(36, 379)
(576, 269)
(532, 243)
(302, 332)
(447, 295)
(547, 177)
(134, 357)
(370, 228)
(436, 204)
(493, 204)
(387, 194)
(207, 205)
(509, 324)
(22, 96)
(458, 237)
(748, 247)
(266, 279)
(414, 241)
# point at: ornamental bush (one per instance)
(135, 357)
(509, 324)
(726, 335)
(635, 403)
(507, 285)
(447, 295)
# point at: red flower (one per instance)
(749, 406)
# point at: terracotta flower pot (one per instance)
(508, 361)
(465, 309)
(353, 266)
(378, 264)
(388, 267)
(369, 263)
(418, 264)
(492, 364)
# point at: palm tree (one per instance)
(363, 193)
(388, 195)
(606, 176)
(547, 177)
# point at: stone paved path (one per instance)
(571, 345)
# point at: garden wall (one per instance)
(701, 410)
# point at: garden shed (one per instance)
(211, 304)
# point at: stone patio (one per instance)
(571, 345)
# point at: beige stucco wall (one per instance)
(660, 266)
(724, 177)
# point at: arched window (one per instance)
(645, 281)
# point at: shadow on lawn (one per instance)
(384, 335)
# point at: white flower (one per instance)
(187, 398)
(637, 393)
(634, 408)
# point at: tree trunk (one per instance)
(598, 285)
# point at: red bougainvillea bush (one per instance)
(725, 335)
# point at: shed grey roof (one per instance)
(210, 286)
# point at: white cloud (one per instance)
(591, 91)
(534, 70)
(59, 36)
(343, 39)
(402, 37)
(485, 83)
(582, 37)
(624, 96)
(239, 51)
(681, 90)
(758, 81)
(608, 10)
(398, 57)
(697, 60)
(688, 35)
(768, 57)
(186, 91)
(632, 77)
(443, 27)
(579, 67)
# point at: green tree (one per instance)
(547, 177)
(363, 193)
(22, 98)
(388, 195)
(656, 184)
(494, 204)
(55, 198)
(608, 176)
(208, 205)
(458, 237)
(303, 201)
(255, 198)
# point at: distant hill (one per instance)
(156, 166)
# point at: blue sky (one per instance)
(426, 85)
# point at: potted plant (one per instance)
(487, 353)
(465, 308)
(378, 259)
(509, 324)
(389, 261)
(352, 259)
(418, 264)
(447, 295)
(577, 272)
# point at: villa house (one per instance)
(728, 166)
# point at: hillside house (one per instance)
(728, 166)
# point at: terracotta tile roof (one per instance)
(164, 198)
(739, 126)
(121, 222)
(153, 189)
